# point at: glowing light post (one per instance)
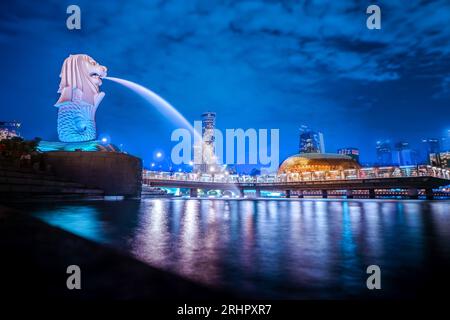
(212, 169)
(159, 155)
(191, 165)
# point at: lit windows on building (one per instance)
(446, 142)
(207, 149)
(429, 146)
(9, 129)
(311, 141)
(384, 152)
(351, 152)
(441, 159)
(403, 155)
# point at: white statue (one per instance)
(80, 96)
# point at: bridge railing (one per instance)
(351, 174)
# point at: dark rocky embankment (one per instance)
(35, 257)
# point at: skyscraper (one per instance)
(403, 155)
(446, 141)
(311, 141)
(208, 159)
(440, 159)
(429, 146)
(384, 153)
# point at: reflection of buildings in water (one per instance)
(189, 240)
(199, 242)
(308, 229)
(152, 240)
(370, 238)
(347, 243)
(267, 236)
(214, 240)
(247, 235)
(309, 240)
(440, 223)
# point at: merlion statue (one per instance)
(79, 98)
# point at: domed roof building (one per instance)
(310, 162)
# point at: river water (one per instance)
(278, 249)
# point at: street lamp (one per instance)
(159, 155)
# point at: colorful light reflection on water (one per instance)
(274, 248)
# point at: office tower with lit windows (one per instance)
(9, 129)
(207, 150)
(445, 146)
(404, 155)
(351, 152)
(440, 159)
(311, 141)
(428, 147)
(384, 153)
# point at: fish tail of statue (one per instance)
(76, 122)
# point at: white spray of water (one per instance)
(162, 105)
(157, 101)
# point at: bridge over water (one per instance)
(413, 181)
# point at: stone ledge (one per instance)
(35, 257)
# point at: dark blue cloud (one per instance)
(260, 64)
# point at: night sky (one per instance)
(258, 64)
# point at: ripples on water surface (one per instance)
(274, 248)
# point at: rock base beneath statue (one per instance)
(46, 146)
(117, 174)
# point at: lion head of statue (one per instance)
(81, 76)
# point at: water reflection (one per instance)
(273, 248)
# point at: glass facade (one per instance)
(384, 153)
(441, 159)
(208, 159)
(403, 155)
(311, 141)
(428, 147)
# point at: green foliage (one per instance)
(14, 148)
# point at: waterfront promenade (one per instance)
(414, 180)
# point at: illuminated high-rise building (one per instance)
(384, 153)
(429, 146)
(9, 129)
(445, 146)
(206, 151)
(403, 155)
(440, 159)
(351, 152)
(311, 141)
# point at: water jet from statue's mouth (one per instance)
(157, 101)
(161, 105)
(96, 75)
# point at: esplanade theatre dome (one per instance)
(308, 162)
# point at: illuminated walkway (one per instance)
(413, 180)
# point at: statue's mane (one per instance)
(75, 75)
